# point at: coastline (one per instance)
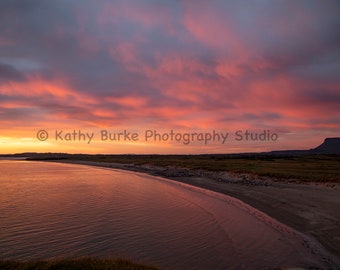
(312, 209)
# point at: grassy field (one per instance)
(80, 264)
(319, 168)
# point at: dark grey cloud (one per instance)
(9, 73)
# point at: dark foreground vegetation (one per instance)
(306, 168)
(79, 264)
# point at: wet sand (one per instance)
(312, 209)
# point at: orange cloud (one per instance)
(134, 102)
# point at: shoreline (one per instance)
(308, 208)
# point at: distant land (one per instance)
(330, 146)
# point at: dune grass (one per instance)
(318, 168)
(305, 168)
(76, 264)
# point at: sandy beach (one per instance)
(312, 209)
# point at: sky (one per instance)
(70, 69)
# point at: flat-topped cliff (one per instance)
(329, 146)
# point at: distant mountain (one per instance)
(329, 146)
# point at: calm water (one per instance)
(50, 210)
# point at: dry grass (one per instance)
(316, 168)
(77, 264)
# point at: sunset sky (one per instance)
(187, 66)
